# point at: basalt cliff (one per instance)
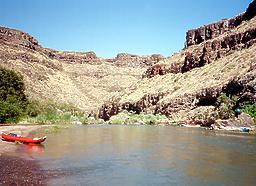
(217, 58)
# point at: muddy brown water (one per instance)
(146, 155)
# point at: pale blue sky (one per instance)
(109, 27)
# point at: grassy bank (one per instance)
(56, 113)
(126, 117)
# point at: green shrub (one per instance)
(11, 84)
(13, 101)
(37, 107)
(224, 106)
(34, 108)
(51, 118)
(120, 118)
(249, 108)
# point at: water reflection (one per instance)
(144, 155)
(31, 149)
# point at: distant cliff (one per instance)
(211, 31)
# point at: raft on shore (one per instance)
(11, 137)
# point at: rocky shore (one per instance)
(17, 170)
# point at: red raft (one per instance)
(14, 137)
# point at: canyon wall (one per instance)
(218, 59)
(211, 42)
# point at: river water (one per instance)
(147, 155)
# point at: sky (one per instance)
(109, 27)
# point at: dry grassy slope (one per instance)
(212, 75)
(87, 86)
(99, 83)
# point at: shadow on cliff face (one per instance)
(250, 12)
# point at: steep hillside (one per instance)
(218, 58)
(79, 78)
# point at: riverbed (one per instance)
(145, 155)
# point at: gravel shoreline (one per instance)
(16, 170)
(20, 171)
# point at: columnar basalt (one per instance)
(218, 48)
(211, 31)
(199, 35)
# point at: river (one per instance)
(146, 155)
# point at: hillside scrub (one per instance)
(225, 106)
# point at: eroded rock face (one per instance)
(108, 110)
(124, 59)
(211, 31)
(218, 48)
(197, 36)
(243, 120)
(244, 88)
(18, 39)
(157, 69)
(251, 11)
(72, 57)
(146, 102)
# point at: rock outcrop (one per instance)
(17, 38)
(199, 35)
(206, 53)
(157, 69)
(218, 48)
(251, 11)
(147, 101)
(108, 110)
(130, 60)
(211, 31)
(72, 57)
